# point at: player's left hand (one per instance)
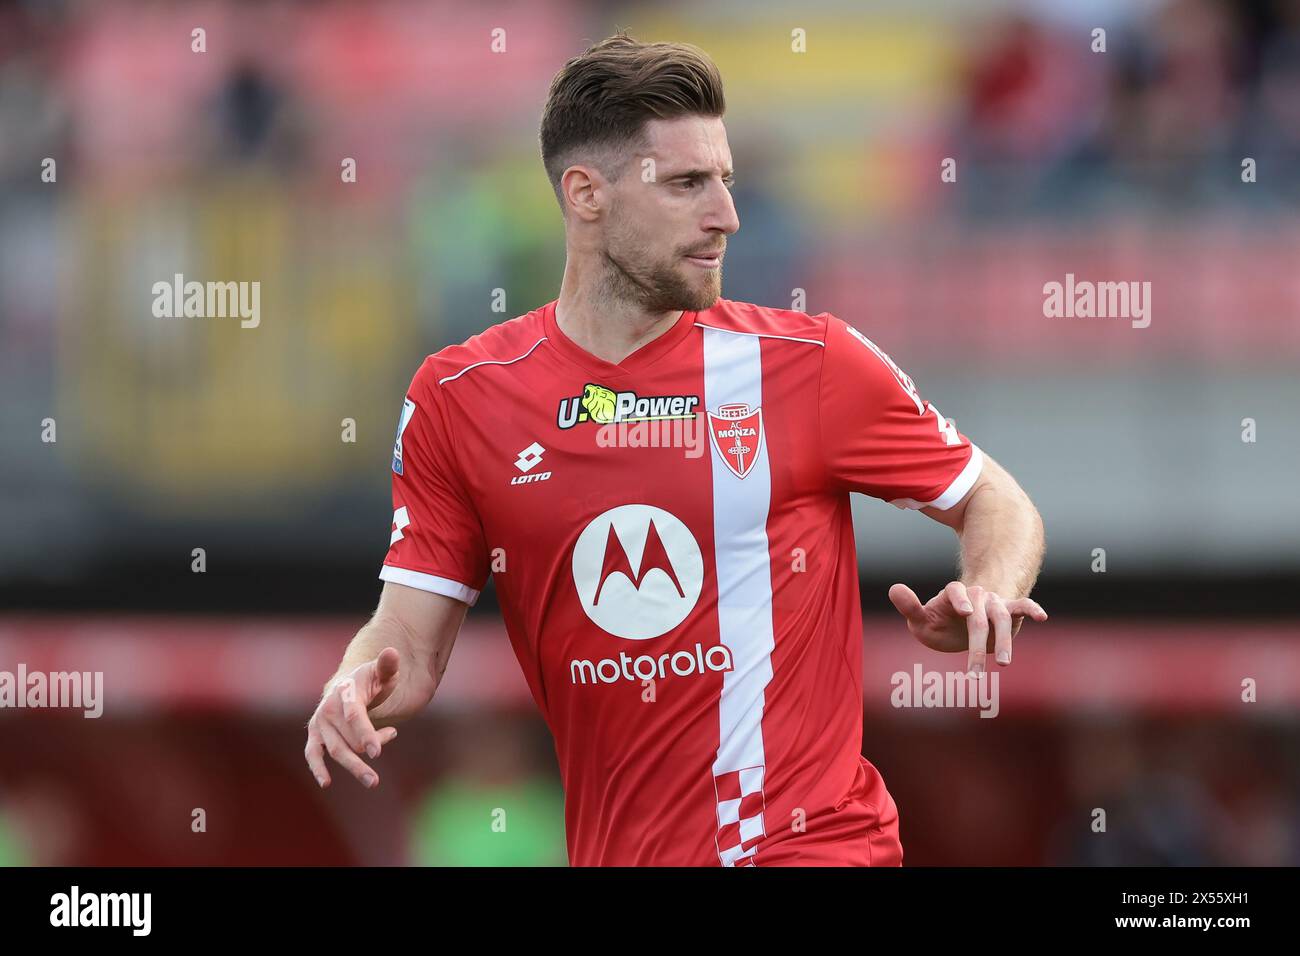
(969, 618)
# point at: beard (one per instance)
(658, 286)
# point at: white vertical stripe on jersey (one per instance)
(733, 372)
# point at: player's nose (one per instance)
(721, 216)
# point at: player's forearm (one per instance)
(1001, 538)
(418, 661)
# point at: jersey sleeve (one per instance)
(437, 538)
(878, 435)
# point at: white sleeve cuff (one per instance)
(955, 491)
(429, 582)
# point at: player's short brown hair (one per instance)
(600, 101)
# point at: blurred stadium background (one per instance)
(176, 434)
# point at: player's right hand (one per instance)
(967, 618)
(342, 726)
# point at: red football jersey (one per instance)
(673, 552)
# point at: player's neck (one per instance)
(609, 329)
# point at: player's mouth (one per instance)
(707, 260)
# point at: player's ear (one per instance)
(580, 186)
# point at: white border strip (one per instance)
(733, 372)
(452, 378)
(956, 491)
(429, 582)
(762, 335)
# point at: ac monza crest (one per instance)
(737, 434)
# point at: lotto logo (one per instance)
(528, 460)
(529, 457)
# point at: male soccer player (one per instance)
(685, 611)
